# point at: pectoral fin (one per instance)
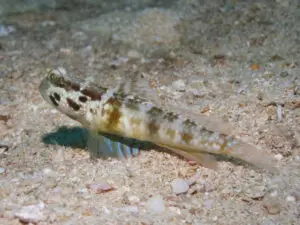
(104, 145)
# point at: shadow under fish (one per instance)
(100, 145)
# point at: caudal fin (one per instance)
(254, 156)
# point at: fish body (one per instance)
(116, 112)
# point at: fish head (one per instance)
(68, 95)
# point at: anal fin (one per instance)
(204, 159)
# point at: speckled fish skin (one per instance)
(112, 111)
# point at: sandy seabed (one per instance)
(238, 62)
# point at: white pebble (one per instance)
(179, 186)
(6, 30)
(133, 54)
(131, 209)
(178, 85)
(156, 204)
(279, 112)
(106, 210)
(215, 218)
(31, 213)
(59, 156)
(2, 170)
(278, 157)
(290, 198)
(274, 193)
(49, 172)
(133, 199)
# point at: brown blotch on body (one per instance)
(93, 94)
(225, 149)
(171, 133)
(153, 128)
(186, 137)
(115, 114)
(135, 121)
(74, 86)
(73, 104)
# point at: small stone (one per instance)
(66, 51)
(156, 204)
(48, 23)
(100, 187)
(106, 210)
(133, 54)
(178, 85)
(180, 186)
(272, 205)
(290, 198)
(284, 74)
(131, 209)
(6, 30)
(215, 218)
(133, 199)
(59, 156)
(278, 157)
(49, 172)
(279, 112)
(2, 170)
(31, 213)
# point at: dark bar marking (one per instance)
(153, 128)
(93, 94)
(115, 115)
(82, 99)
(171, 133)
(186, 137)
(53, 100)
(73, 104)
(56, 96)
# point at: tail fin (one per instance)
(254, 156)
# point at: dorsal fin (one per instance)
(140, 86)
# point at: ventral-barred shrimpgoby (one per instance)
(119, 113)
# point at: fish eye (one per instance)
(55, 77)
(51, 75)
